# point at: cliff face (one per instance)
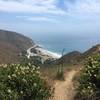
(11, 45)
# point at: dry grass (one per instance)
(69, 72)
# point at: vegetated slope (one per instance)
(11, 46)
(72, 57)
(94, 50)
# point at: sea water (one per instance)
(56, 43)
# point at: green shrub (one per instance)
(60, 74)
(89, 81)
(18, 82)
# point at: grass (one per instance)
(50, 72)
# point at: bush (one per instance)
(18, 82)
(60, 74)
(89, 81)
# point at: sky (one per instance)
(51, 17)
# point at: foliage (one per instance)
(89, 81)
(18, 82)
(37, 61)
(60, 74)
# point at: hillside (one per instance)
(72, 57)
(94, 50)
(76, 57)
(11, 45)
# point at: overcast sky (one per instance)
(75, 17)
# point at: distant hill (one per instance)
(11, 45)
(76, 57)
(72, 57)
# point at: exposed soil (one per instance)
(64, 90)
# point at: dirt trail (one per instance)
(64, 90)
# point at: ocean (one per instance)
(68, 43)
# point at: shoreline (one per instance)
(42, 52)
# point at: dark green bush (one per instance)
(89, 81)
(18, 82)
